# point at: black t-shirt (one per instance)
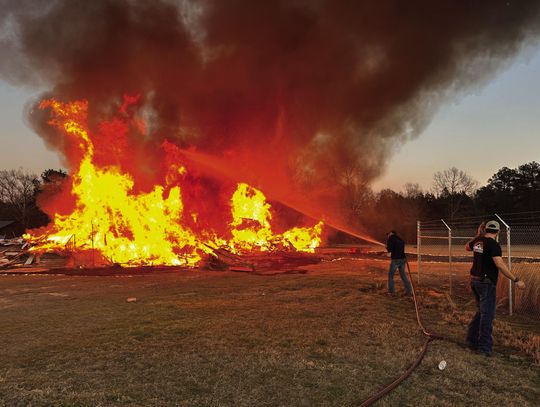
(484, 249)
(396, 246)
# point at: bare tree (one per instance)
(413, 202)
(412, 190)
(18, 191)
(453, 181)
(455, 185)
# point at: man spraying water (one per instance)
(396, 247)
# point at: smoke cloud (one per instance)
(302, 90)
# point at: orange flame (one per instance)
(251, 222)
(135, 228)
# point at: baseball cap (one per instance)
(493, 225)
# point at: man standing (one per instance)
(396, 247)
(487, 263)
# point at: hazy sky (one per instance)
(493, 126)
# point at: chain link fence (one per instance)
(441, 254)
(434, 246)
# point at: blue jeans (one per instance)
(481, 326)
(400, 264)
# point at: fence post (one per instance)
(449, 252)
(509, 253)
(418, 243)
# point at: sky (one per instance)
(479, 132)
(494, 126)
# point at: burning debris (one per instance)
(135, 227)
(15, 252)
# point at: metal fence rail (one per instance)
(440, 247)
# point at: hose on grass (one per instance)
(405, 375)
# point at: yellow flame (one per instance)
(251, 225)
(146, 228)
(125, 227)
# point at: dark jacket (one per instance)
(396, 246)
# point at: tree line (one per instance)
(453, 194)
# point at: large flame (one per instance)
(133, 228)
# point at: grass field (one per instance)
(323, 336)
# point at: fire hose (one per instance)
(405, 375)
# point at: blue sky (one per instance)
(481, 131)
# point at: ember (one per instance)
(129, 225)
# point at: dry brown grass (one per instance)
(528, 300)
(326, 338)
(506, 334)
(520, 332)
